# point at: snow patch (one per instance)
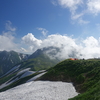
(27, 74)
(35, 77)
(40, 90)
(12, 70)
(11, 61)
(42, 71)
(23, 71)
(20, 58)
(8, 83)
(23, 56)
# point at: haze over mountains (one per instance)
(45, 55)
(81, 48)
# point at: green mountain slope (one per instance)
(19, 80)
(39, 60)
(51, 52)
(9, 59)
(84, 74)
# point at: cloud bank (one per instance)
(7, 38)
(31, 42)
(69, 47)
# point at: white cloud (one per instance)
(6, 43)
(31, 41)
(91, 48)
(71, 4)
(54, 2)
(76, 16)
(69, 47)
(43, 31)
(65, 43)
(7, 38)
(58, 40)
(91, 42)
(93, 6)
(80, 8)
(55, 40)
(9, 27)
(23, 49)
(81, 21)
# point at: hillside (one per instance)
(9, 59)
(44, 55)
(39, 60)
(51, 52)
(84, 74)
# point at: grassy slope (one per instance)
(8, 60)
(85, 75)
(19, 82)
(41, 62)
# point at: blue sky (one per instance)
(30, 22)
(26, 16)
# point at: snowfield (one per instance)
(36, 77)
(40, 90)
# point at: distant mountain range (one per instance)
(16, 66)
(9, 59)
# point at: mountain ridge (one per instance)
(39, 60)
(10, 58)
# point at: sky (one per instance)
(27, 25)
